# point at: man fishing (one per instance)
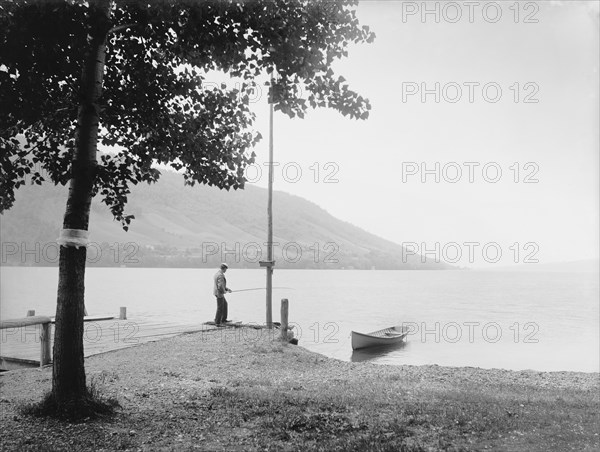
(220, 288)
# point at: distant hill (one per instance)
(179, 226)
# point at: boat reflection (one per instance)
(376, 353)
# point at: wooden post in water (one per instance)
(31, 313)
(123, 313)
(284, 319)
(45, 349)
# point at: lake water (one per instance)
(510, 320)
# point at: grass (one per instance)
(381, 417)
(93, 405)
(351, 417)
(378, 420)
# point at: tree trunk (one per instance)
(68, 378)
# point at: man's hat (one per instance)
(224, 265)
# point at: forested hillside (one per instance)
(181, 226)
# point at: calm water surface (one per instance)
(511, 320)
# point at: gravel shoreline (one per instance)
(169, 393)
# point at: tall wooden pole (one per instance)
(270, 219)
(270, 262)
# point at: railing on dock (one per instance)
(19, 338)
(44, 336)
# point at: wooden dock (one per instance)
(20, 346)
(27, 341)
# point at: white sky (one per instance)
(558, 136)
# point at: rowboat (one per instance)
(386, 336)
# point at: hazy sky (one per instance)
(517, 93)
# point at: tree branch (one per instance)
(119, 28)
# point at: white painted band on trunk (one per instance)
(73, 237)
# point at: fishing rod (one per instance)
(260, 288)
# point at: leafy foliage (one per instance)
(156, 107)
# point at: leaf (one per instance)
(150, 110)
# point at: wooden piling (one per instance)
(45, 348)
(123, 313)
(284, 319)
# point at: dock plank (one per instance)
(100, 336)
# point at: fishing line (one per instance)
(260, 288)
